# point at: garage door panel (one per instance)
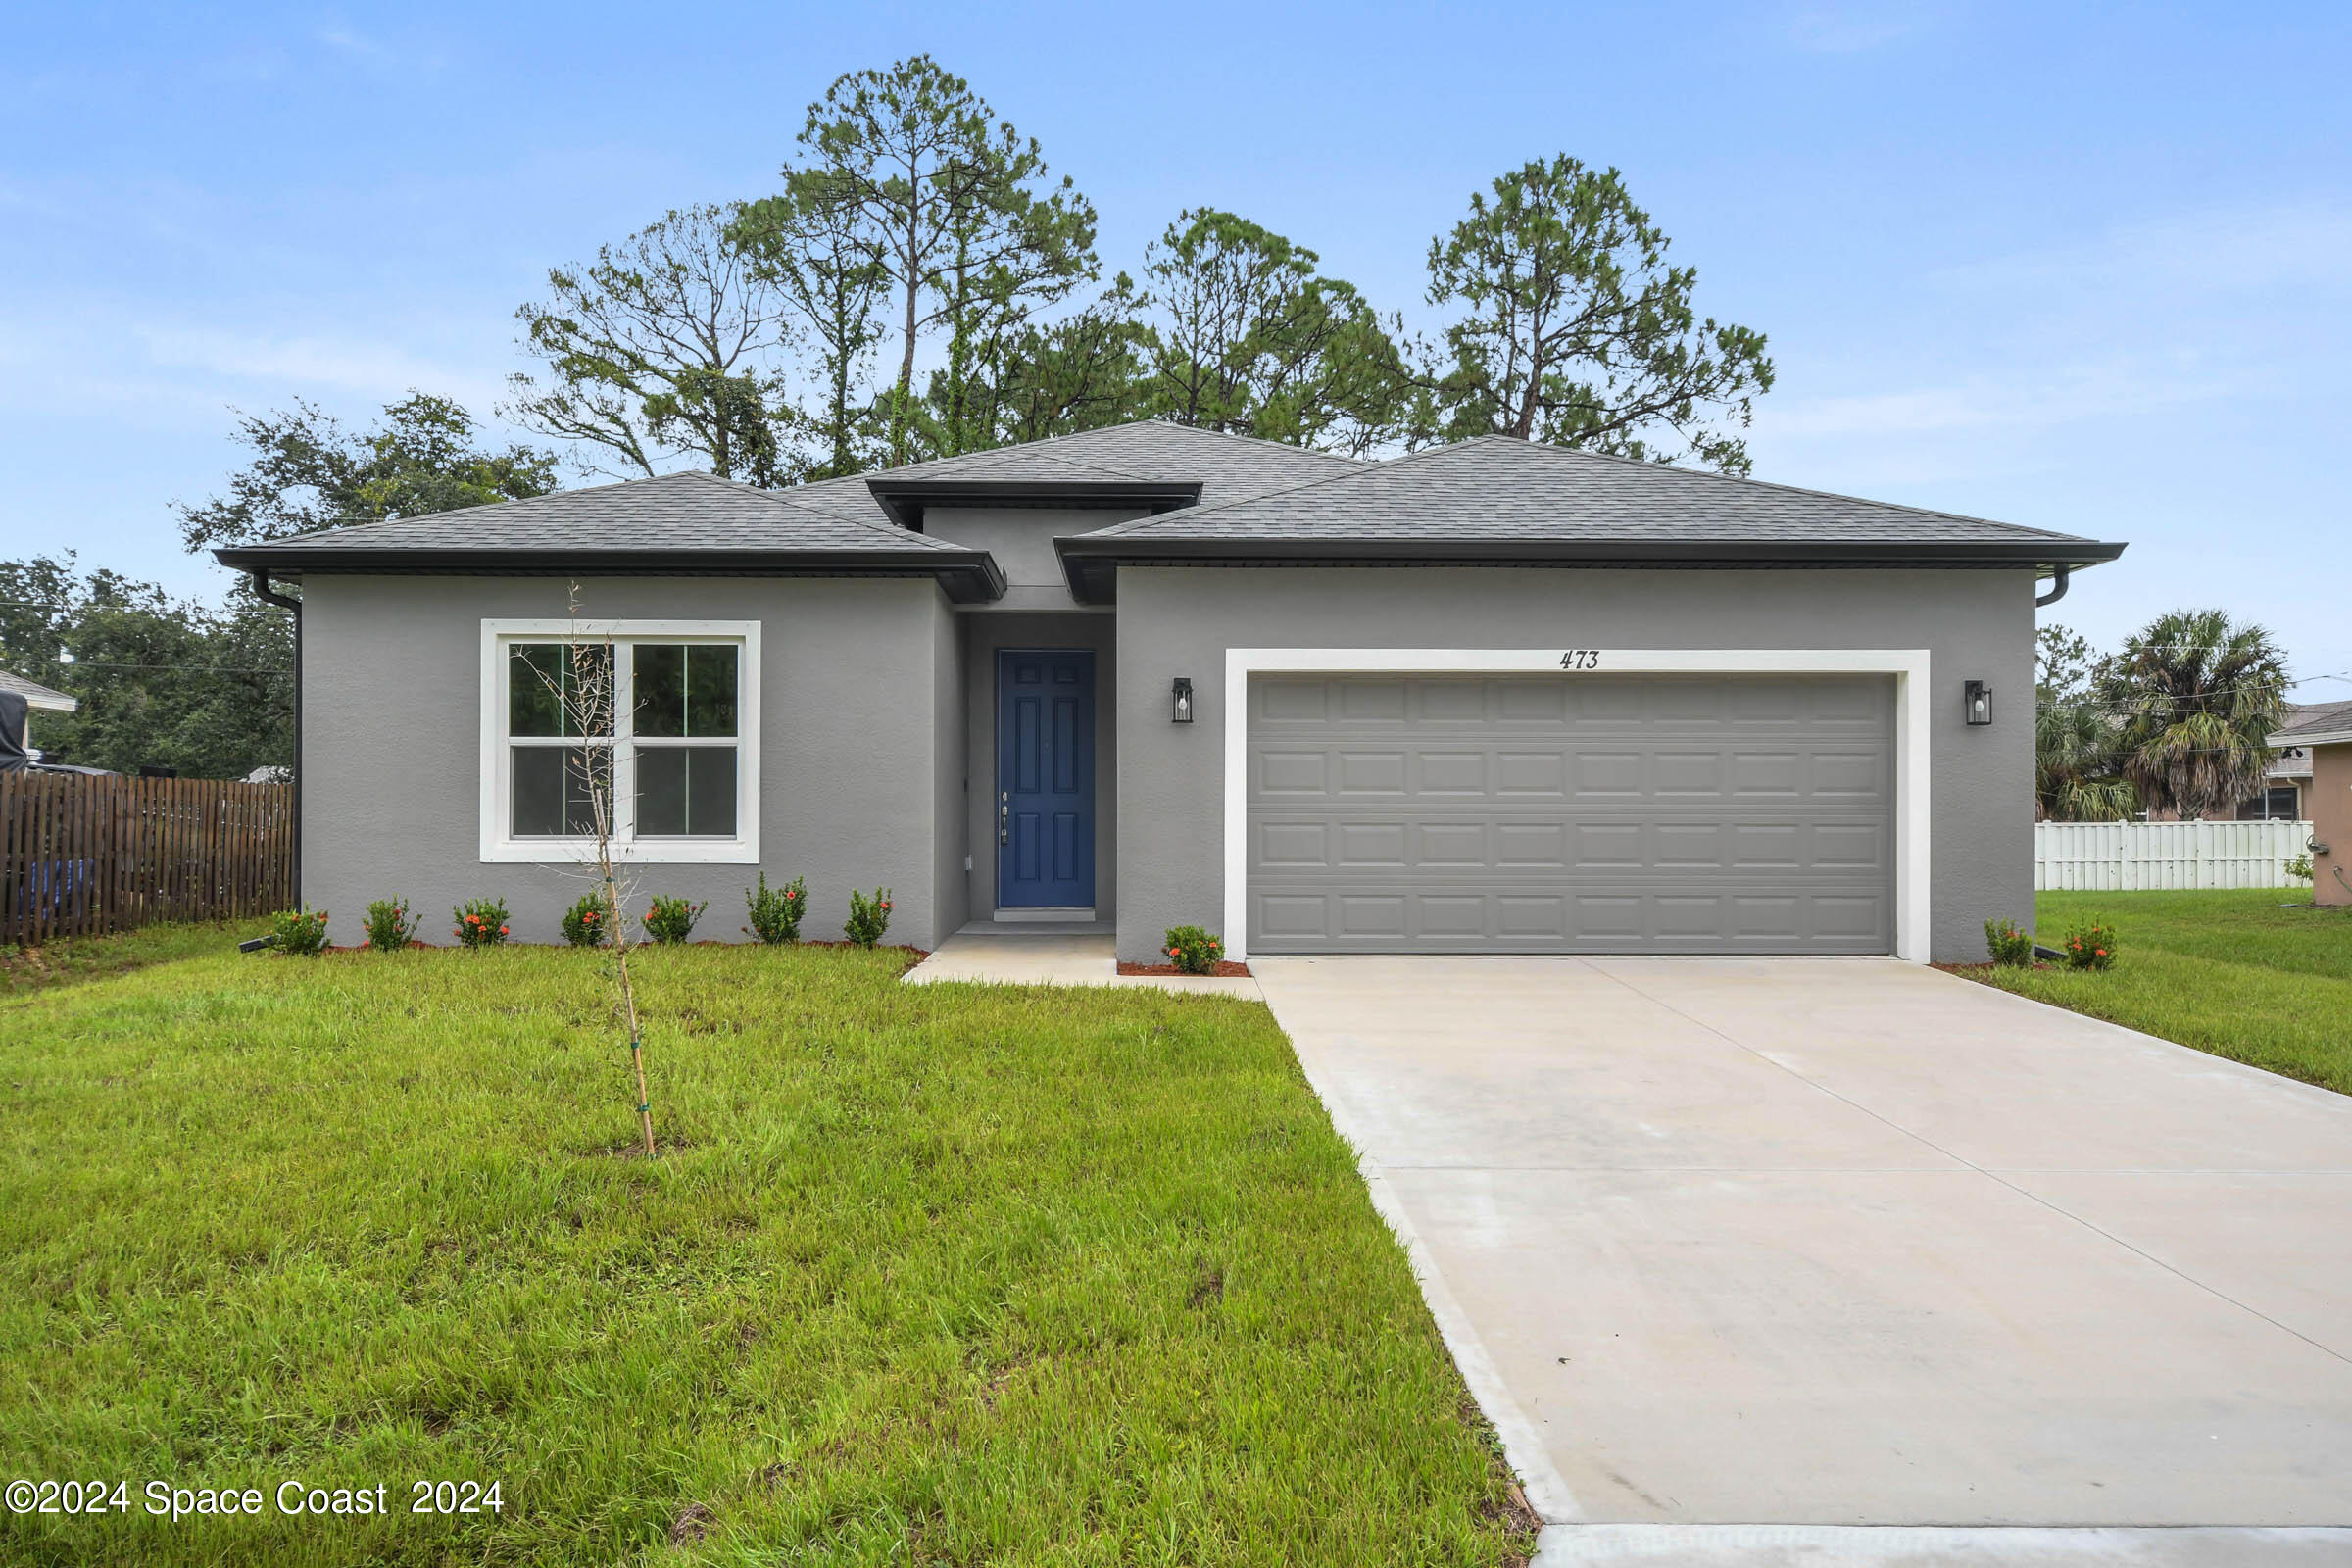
(1453, 773)
(1518, 813)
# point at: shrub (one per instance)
(584, 924)
(776, 912)
(2299, 869)
(2012, 948)
(1193, 950)
(390, 926)
(2090, 945)
(480, 922)
(868, 917)
(669, 920)
(301, 932)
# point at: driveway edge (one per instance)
(1522, 1446)
(1943, 1547)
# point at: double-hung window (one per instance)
(653, 723)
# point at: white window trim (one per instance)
(500, 848)
(1913, 906)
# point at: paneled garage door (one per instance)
(1571, 813)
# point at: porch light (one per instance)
(1978, 698)
(1183, 694)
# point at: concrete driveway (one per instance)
(1853, 1243)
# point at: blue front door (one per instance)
(1045, 778)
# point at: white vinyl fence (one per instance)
(2118, 857)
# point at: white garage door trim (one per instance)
(1908, 666)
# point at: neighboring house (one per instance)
(2286, 782)
(2324, 733)
(2282, 796)
(1495, 697)
(39, 698)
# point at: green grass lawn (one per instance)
(2230, 972)
(78, 959)
(931, 1275)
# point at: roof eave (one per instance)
(907, 500)
(2323, 737)
(1090, 560)
(965, 576)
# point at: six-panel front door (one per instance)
(1045, 778)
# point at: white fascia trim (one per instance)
(497, 849)
(1908, 666)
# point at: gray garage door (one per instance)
(1571, 813)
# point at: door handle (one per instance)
(1005, 819)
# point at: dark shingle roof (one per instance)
(673, 511)
(676, 522)
(1498, 488)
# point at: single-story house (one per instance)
(2324, 733)
(1489, 698)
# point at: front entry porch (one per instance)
(1057, 953)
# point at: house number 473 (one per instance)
(1581, 659)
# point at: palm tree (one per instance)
(2195, 698)
(2078, 764)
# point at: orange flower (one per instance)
(502, 930)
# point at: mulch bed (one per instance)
(1226, 968)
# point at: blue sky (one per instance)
(2083, 268)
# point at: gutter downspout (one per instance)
(2057, 588)
(262, 588)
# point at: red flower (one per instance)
(502, 930)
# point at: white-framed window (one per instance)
(680, 742)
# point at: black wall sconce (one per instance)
(1182, 692)
(1979, 698)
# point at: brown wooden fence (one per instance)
(80, 854)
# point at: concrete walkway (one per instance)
(1750, 1259)
(1055, 959)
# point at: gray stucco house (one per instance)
(1488, 698)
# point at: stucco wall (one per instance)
(1021, 538)
(984, 634)
(2327, 798)
(852, 741)
(1180, 621)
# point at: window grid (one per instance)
(623, 744)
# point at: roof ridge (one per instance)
(1153, 421)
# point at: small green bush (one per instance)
(2012, 946)
(2090, 945)
(301, 932)
(584, 924)
(2299, 869)
(480, 922)
(870, 918)
(670, 920)
(776, 912)
(390, 926)
(1193, 950)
